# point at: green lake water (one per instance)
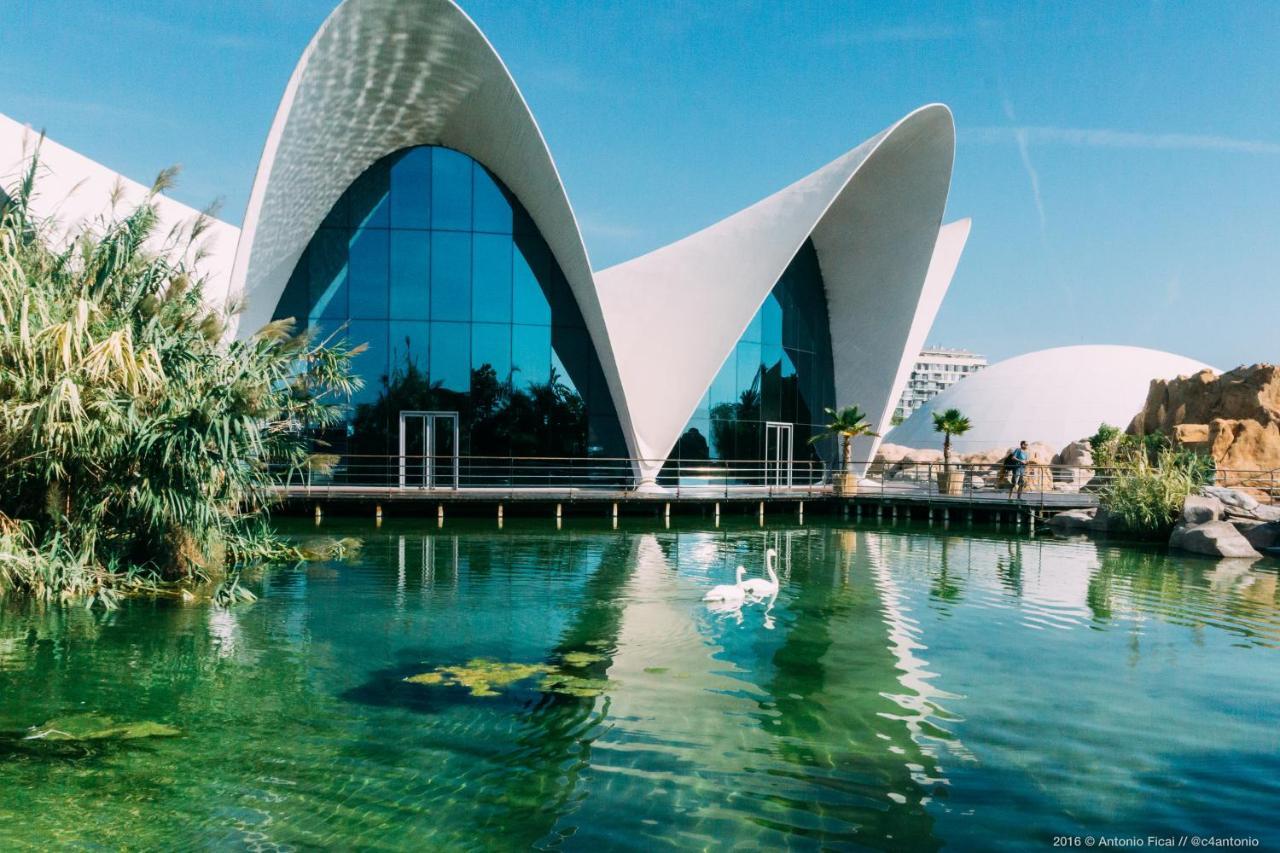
(909, 688)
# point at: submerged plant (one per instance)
(137, 444)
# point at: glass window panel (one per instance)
(723, 392)
(529, 301)
(564, 307)
(296, 299)
(450, 190)
(493, 211)
(752, 334)
(491, 275)
(748, 376)
(410, 275)
(327, 265)
(722, 434)
(368, 274)
(371, 365)
(573, 358)
(789, 388)
(411, 189)
(409, 343)
(560, 374)
(450, 276)
(451, 357)
(771, 383)
(368, 197)
(530, 355)
(771, 320)
(491, 348)
(695, 443)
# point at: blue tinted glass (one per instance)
(450, 190)
(771, 321)
(724, 388)
(560, 374)
(492, 207)
(451, 356)
(326, 260)
(771, 383)
(410, 274)
(529, 301)
(367, 270)
(574, 358)
(399, 263)
(411, 190)
(789, 389)
(368, 197)
(450, 276)
(372, 363)
(491, 348)
(491, 276)
(748, 368)
(530, 355)
(409, 342)
(752, 334)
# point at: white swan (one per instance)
(759, 587)
(728, 592)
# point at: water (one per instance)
(909, 689)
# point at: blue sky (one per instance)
(1121, 160)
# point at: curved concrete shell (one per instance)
(874, 216)
(380, 76)
(1056, 396)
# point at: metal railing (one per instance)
(497, 475)
(1043, 485)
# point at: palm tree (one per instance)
(949, 423)
(846, 424)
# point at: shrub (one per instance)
(1146, 497)
(136, 443)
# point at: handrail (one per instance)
(971, 481)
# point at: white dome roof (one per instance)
(1056, 396)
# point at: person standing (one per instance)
(1018, 460)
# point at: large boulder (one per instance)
(1215, 538)
(1232, 499)
(1072, 519)
(1074, 464)
(1259, 534)
(1199, 509)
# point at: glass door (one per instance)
(429, 450)
(442, 444)
(777, 454)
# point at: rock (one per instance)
(1075, 464)
(1102, 521)
(1215, 538)
(1198, 509)
(977, 482)
(1259, 534)
(1231, 497)
(1235, 418)
(1073, 519)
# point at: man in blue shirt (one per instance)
(1017, 463)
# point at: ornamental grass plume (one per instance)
(137, 444)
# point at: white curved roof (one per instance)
(1055, 395)
(380, 76)
(76, 192)
(874, 214)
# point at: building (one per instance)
(936, 370)
(407, 199)
(1055, 396)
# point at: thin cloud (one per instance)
(1106, 138)
(1033, 177)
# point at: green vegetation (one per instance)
(1144, 480)
(847, 424)
(949, 423)
(138, 446)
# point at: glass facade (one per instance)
(430, 261)
(780, 371)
